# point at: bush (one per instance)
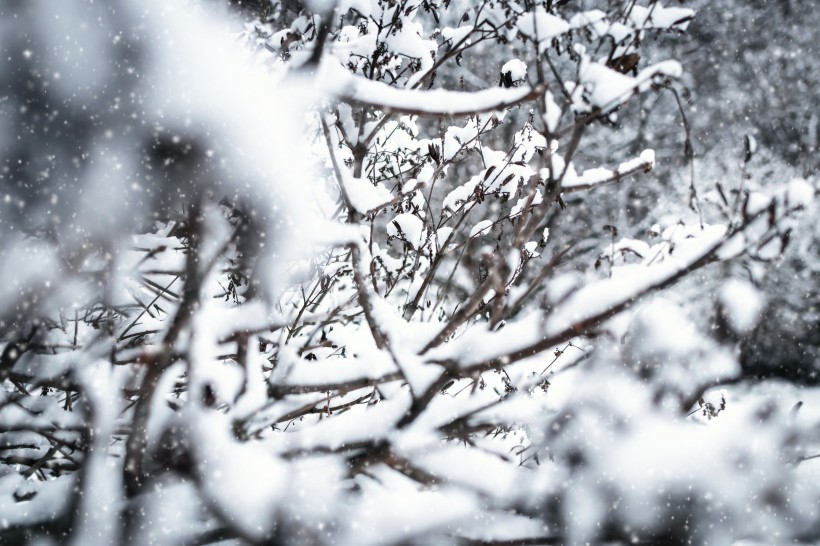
(355, 280)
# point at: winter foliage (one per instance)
(390, 272)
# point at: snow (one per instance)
(481, 228)
(518, 208)
(183, 96)
(541, 26)
(477, 344)
(406, 40)
(800, 193)
(408, 228)
(442, 234)
(646, 158)
(607, 88)
(388, 514)
(626, 245)
(364, 196)
(456, 35)
(516, 69)
(659, 16)
(580, 304)
(338, 81)
(102, 497)
(254, 392)
(483, 472)
(757, 202)
(370, 365)
(396, 405)
(530, 248)
(487, 525)
(742, 304)
(587, 18)
(244, 482)
(665, 343)
(600, 176)
(359, 424)
(365, 7)
(459, 138)
(49, 367)
(552, 114)
(752, 144)
(49, 503)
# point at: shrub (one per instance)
(363, 298)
